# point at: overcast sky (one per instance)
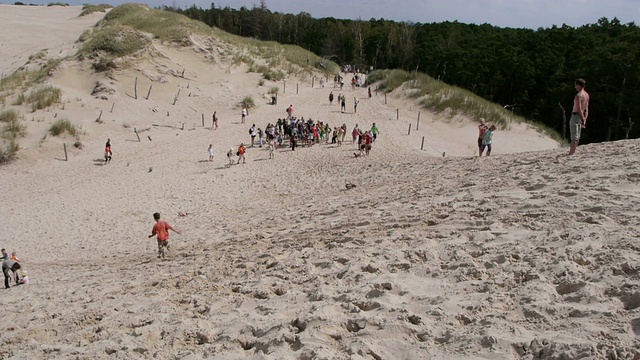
(504, 13)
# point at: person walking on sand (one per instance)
(260, 137)
(13, 266)
(252, 132)
(482, 128)
(487, 140)
(343, 104)
(245, 113)
(355, 105)
(579, 114)
(107, 152)
(331, 98)
(272, 147)
(241, 151)
(214, 125)
(161, 232)
(355, 133)
(374, 131)
(210, 152)
(230, 156)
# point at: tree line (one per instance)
(530, 72)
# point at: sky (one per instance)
(532, 14)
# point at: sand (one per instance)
(525, 254)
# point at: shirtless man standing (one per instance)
(579, 114)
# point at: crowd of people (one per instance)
(295, 132)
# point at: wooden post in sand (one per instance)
(285, 86)
(409, 133)
(385, 99)
(99, 116)
(175, 99)
(397, 114)
(422, 146)
(183, 125)
(313, 81)
(149, 92)
(135, 89)
(64, 145)
(137, 135)
(418, 124)
(112, 106)
(564, 122)
(296, 89)
(202, 120)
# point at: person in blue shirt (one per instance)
(487, 140)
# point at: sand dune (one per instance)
(524, 255)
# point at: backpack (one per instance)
(249, 131)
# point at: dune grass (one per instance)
(8, 116)
(247, 101)
(11, 130)
(26, 79)
(61, 126)
(90, 9)
(8, 151)
(283, 59)
(111, 41)
(43, 97)
(451, 100)
(163, 25)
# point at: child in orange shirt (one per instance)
(161, 231)
(241, 151)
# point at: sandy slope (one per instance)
(26, 30)
(521, 255)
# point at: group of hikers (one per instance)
(301, 132)
(342, 100)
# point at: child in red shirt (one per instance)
(161, 230)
